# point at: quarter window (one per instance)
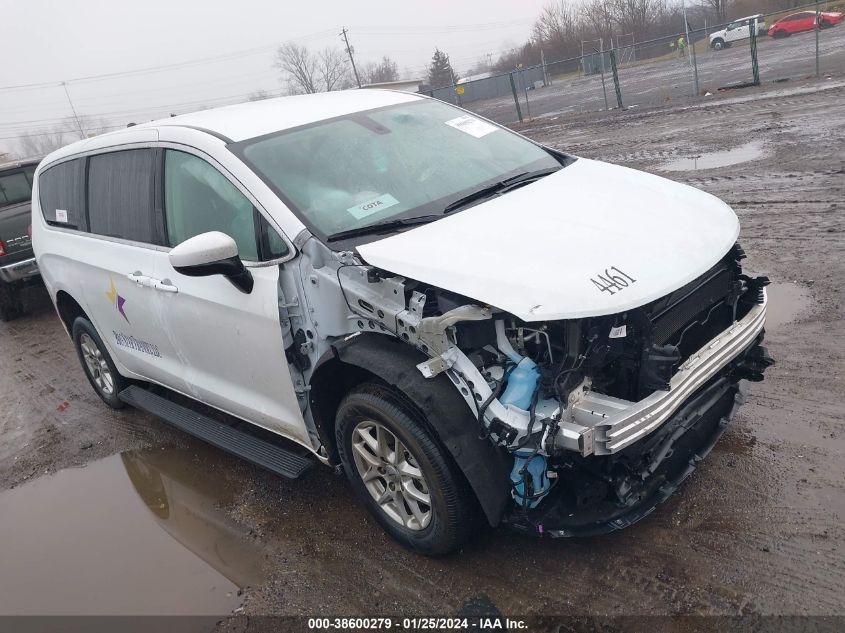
(121, 195)
(63, 187)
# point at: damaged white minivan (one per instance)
(474, 326)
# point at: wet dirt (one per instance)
(758, 529)
(787, 302)
(140, 533)
(719, 158)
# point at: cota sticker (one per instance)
(384, 201)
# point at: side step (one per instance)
(274, 458)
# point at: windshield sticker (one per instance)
(61, 215)
(370, 207)
(472, 126)
(618, 332)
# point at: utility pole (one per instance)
(351, 58)
(692, 53)
(72, 109)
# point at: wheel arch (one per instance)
(68, 309)
(378, 357)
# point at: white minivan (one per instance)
(477, 328)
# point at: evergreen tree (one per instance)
(440, 72)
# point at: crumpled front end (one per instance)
(603, 416)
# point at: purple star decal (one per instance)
(120, 302)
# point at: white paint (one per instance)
(203, 249)
(541, 244)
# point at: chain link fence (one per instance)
(623, 73)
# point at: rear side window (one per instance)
(16, 186)
(198, 199)
(62, 188)
(121, 195)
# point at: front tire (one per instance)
(98, 366)
(402, 473)
(718, 44)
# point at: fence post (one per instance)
(515, 97)
(755, 69)
(818, 28)
(616, 79)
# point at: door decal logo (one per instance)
(117, 301)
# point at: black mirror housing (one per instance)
(232, 268)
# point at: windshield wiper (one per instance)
(498, 188)
(382, 226)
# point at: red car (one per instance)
(803, 21)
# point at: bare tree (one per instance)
(718, 7)
(332, 69)
(599, 14)
(259, 95)
(305, 72)
(635, 16)
(383, 71)
(299, 67)
(40, 142)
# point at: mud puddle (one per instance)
(711, 160)
(139, 533)
(787, 301)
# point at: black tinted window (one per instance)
(121, 195)
(62, 188)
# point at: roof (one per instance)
(255, 118)
(19, 162)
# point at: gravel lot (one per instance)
(758, 529)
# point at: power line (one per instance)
(151, 69)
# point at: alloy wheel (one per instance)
(96, 364)
(391, 474)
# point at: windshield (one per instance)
(400, 161)
(16, 186)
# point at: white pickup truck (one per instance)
(737, 30)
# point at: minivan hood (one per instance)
(534, 251)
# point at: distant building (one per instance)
(405, 85)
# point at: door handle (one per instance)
(141, 279)
(165, 285)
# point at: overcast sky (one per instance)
(218, 52)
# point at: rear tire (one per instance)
(10, 304)
(402, 473)
(98, 366)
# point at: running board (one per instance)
(274, 458)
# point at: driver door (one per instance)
(229, 343)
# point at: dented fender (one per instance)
(485, 466)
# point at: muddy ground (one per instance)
(756, 530)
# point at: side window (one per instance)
(198, 199)
(63, 187)
(121, 195)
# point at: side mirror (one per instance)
(212, 253)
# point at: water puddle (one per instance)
(140, 533)
(711, 160)
(786, 302)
